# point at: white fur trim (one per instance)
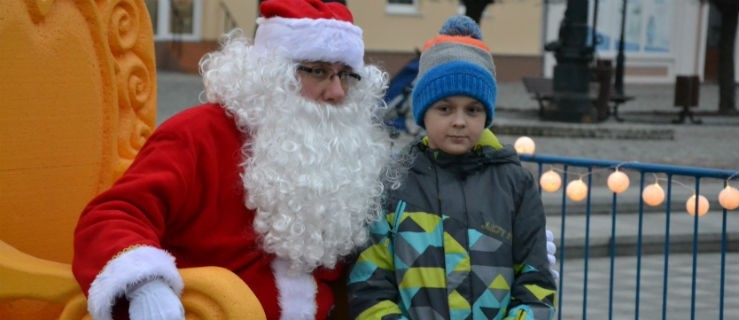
(327, 40)
(127, 269)
(297, 292)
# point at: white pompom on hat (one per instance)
(310, 30)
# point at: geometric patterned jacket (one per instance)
(463, 238)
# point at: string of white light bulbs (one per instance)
(618, 182)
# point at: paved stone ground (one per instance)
(652, 138)
(651, 278)
(715, 143)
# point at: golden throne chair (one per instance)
(77, 102)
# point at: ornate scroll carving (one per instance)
(129, 36)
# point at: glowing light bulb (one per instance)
(577, 190)
(653, 195)
(618, 181)
(729, 198)
(550, 181)
(702, 205)
(524, 145)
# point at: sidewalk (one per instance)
(651, 278)
(650, 134)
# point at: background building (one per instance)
(663, 38)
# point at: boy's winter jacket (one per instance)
(463, 238)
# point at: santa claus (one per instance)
(275, 178)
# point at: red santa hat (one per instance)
(310, 30)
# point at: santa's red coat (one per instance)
(183, 194)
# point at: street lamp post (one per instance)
(571, 83)
(619, 82)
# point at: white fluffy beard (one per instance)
(313, 172)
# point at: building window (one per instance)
(647, 29)
(402, 7)
(175, 19)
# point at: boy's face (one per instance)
(455, 124)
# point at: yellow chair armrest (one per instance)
(218, 293)
(25, 276)
(210, 292)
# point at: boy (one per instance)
(464, 236)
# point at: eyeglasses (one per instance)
(321, 74)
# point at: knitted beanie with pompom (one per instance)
(455, 62)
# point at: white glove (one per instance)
(154, 300)
(551, 250)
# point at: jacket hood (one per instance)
(488, 151)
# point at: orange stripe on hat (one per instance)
(467, 40)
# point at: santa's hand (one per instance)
(154, 300)
(551, 250)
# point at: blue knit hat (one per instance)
(455, 62)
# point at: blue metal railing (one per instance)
(642, 168)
